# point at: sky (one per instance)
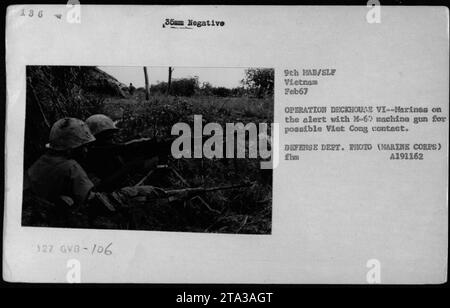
(218, 77)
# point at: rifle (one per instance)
(188, 193)
(113, 200)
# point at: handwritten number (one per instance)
(107, 251)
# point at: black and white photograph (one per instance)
(98, 148)
(226, 144)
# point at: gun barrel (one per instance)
(208, 189)
(225, 187)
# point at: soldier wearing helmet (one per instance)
(58, 172)
(109, 163)
(102, 126)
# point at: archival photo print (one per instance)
(149, 148)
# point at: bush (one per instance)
(221, 92)
(178, 87)
(54, 92)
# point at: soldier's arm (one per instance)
(81, 185)
(117, 178)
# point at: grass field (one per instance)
(243, 210)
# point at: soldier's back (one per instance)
(52, 176)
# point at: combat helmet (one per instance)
(69, 133)
(99, 123)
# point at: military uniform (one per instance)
(56, 186)
(52, 176)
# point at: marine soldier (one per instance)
(111, 163)
(57, 174)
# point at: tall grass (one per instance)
(242, 210)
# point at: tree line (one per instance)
(257, 82)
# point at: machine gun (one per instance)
(113, 164)
(143, 147)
